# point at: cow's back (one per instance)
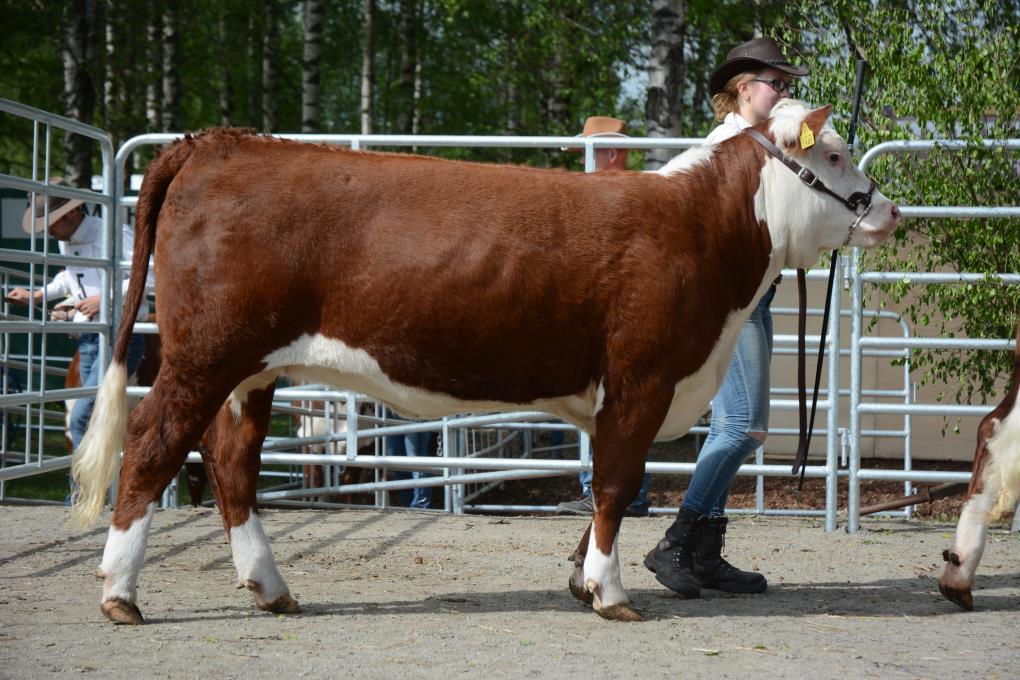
(473, 280)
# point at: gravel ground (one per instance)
(436, 596)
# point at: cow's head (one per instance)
(805, 221)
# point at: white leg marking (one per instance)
(254, 560)
(1002, 471)
(602, 574)
(971, 533)
(123, 558)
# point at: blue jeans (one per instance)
(415, 444)
(740, 408)
(640, 503)
(88, 351)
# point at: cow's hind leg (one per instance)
(576, 581)
(233, 443)
(160, 432)
(621, 440)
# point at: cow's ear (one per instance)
(810, 129)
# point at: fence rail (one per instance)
(468, 455)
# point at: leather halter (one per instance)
(859, 202)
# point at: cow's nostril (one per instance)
(895, 213)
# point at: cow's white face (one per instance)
(804, 222)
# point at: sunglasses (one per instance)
(777, 84)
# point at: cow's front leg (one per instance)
(622, 436)
(232, 446)
(963, 558)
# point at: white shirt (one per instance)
(731, 125)
(75, 283)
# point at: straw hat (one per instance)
(601, 126)
(58, 207)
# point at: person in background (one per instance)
(413, 444)
(605, 159)
(79, 234)
(744, 88)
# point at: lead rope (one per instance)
(804, 445)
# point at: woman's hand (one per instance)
(89, 306)
(23, 296)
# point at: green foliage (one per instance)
(945, 72)
(539, 67)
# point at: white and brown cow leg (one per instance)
(576, 581)
(234, 442)
(969, 544)
(619, 466)
(153, 453)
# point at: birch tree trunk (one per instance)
(254, 66)
(154, 79)
(556, 103)
(510, 92)
(408, 64)
(416, 120)
(171, 68)
(226, 82)
(269, 49)
(664, 104)
(310, 65)
(79, 90)
(367, 65)
(110, 74)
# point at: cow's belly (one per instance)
(692, 394)
(319, 359)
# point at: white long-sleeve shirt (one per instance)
(731, 126)
(79, 282)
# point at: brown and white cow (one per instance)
(994, 489)
(612, 300)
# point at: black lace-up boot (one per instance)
(712, 571)
(672, 560)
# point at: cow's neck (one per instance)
(730, 201)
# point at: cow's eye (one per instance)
(834, 157)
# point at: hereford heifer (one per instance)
(612, 300)
(994, 490)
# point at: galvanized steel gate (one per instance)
(476, 451)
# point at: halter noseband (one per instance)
(859, 202)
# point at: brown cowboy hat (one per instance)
(601, 126)
(58, 207)
(753, 55)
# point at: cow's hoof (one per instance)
(285, 604)
(580, 593)
(122, 612)
(958, 596)
(619, 612)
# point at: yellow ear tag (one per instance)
(807, 138)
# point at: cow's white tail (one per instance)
(98, 456)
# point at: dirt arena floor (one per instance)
(428, 595)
